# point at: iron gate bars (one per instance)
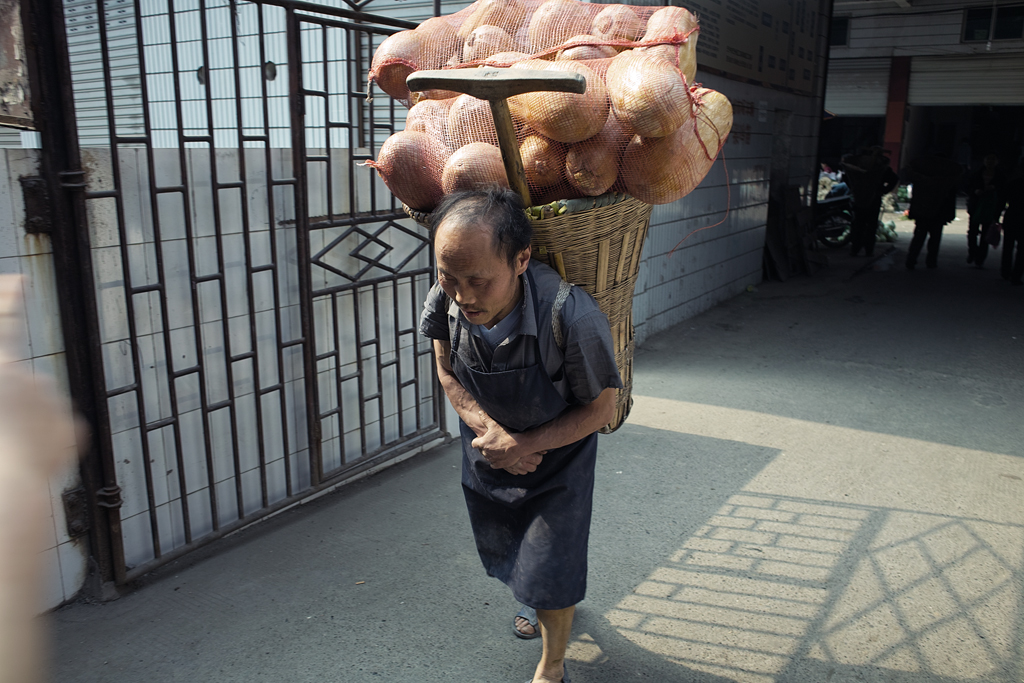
(369, 264)
(257, 290)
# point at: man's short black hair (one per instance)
(500, 208)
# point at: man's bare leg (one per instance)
(555, 626)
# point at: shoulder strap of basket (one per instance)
(556, 312)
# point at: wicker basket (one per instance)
(595, 244)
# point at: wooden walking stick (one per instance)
(496, 86)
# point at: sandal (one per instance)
(530, 615)
(565, 675)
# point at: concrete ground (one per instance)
(821, 481)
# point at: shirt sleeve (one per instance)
(590, 357)
(434, 319)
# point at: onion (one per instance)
(438, 32)
(543, 160)
(576, 51)
(408, 164)
(662, 170)
(485, 41)
(648, 93)
(397, 57)
(473, 167)
(672, 23)
(713, 112)
(616, 22)
(439, 40)
(593, 165)
(556, 21)
(406, 51)
(429, 116)
(470, 120)
(565, 117)
(506, 14)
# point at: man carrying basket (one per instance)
(528, 363)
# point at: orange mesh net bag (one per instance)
(642, 127)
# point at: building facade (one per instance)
(926, 76)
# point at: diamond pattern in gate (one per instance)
(360, 252)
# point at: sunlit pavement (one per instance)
(821, 481)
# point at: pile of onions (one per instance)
(640, 127)
(406, 51)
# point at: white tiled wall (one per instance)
(40, 350)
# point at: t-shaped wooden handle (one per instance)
(496, 85)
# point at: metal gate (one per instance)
(252, 292)
(370, 265)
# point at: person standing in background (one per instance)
(1011, 268)
(984, 204)
(869, 176)
(932, 205)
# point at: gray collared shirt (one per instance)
(580, 373)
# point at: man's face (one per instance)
(473, 273)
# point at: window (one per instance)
(1009, 24)
(976, 23)
(840, 31)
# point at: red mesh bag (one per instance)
(642, 126)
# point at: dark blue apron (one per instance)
(531, 530)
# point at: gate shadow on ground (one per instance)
(755, 587)
(653, 488)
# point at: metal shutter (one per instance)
(10, 138)
(82, 19)
(857, 87)
(967, 80)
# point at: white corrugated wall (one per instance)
(10, 138)
(857, 87)
(87, 69)
(967, 80)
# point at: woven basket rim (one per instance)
(557, 209)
